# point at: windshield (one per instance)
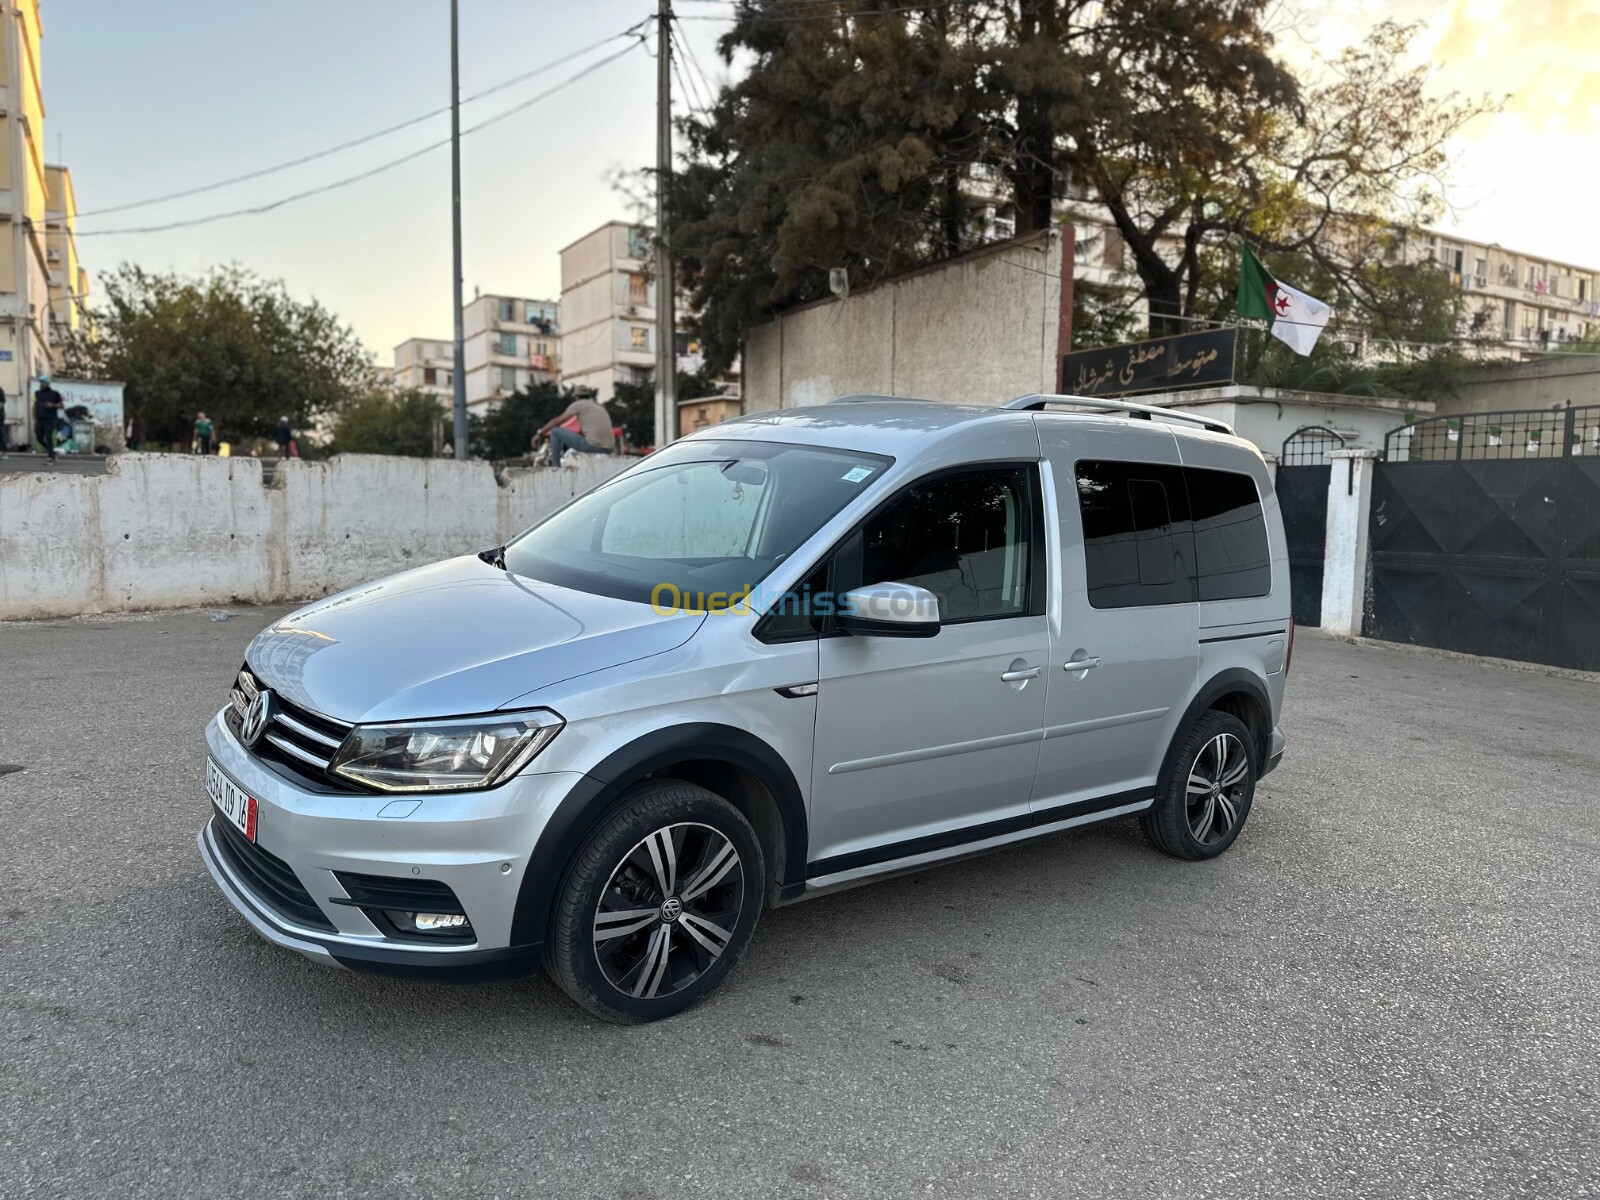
(704, 517)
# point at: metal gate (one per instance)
(1302, 486)
(1485, 536)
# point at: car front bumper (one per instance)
(475, 843)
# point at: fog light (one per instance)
(438, 922)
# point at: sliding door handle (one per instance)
(1018, 675)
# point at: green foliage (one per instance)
(633, 405)
(381, 422)
(230, 344)
(856, 143)
(507, 431)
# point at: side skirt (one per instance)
(881, 862)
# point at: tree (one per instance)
(381, 422)
(633, 405)
(507, 431)
(231, 344)
(852, 141)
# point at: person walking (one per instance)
(284, 436)
(136, 433)
(47, 405)
(203, 429)
(595, 434)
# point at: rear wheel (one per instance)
(1206, 793)
(659, 905)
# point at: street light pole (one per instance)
(666, 296)
(458, 376)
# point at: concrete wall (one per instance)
(164, 530)
(1558, 379)
(1267, 416)
(979, 329)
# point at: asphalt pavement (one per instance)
(1389, 987)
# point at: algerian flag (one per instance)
(1295, 318)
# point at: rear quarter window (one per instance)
(1230, 535)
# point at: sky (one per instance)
(147, 99)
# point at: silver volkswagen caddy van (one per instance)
(797, 651)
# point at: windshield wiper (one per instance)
(495, 557)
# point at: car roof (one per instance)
(892, 425)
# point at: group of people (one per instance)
(48, 406)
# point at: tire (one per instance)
(652, 913)
(1198, 812)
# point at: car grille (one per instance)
(270, 880)
(297, 738)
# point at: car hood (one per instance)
(454, 638)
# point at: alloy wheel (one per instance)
(1216, 791)
(669, 910)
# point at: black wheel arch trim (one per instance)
(1235, 679)
(597, 793)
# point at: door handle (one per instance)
(1081, 664)
(1020, 674)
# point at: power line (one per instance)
(691, 95)
(694, 63)
(354, 142)
(367, 174)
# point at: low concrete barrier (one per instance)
(165, 530)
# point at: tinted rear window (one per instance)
(1230, 535)
(1135, 534)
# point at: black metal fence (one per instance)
(1478, 437)
(1302, 487)
(1485, 536)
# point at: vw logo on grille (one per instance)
(256, 719)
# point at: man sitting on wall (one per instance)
(594, 434)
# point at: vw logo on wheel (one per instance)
(671, 908)
(256, 719)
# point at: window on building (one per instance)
(1583, 288)
(430, 376)
(1480, 271)
(507, 309)
(638, 337)
(506, 343)
(508, 378)
(638, 243)
(1112, 252)
(638, 289)
(1137, 542)
(967, 538)
(1230, 535)
(542, 348)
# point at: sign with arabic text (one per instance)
(1190, 360)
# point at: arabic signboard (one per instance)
(102, 398)
(1190, 360)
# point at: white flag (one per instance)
(1297, 319)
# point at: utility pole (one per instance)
(666, 295)
(458, 376)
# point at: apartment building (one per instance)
(69, 282)
(426, 365)
(511, 342)
(608, 307)
(24, 271)
(1520, 301)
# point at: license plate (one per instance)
(232, 801)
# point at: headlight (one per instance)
(432, 756)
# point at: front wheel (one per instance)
(1205, 795)
(658, 905)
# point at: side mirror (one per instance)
(889, 610)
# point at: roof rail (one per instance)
(1037, 401)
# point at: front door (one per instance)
(1124, 654)
(926, 742)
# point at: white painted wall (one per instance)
(979, 329)
(1344, 570)
(162, 530)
